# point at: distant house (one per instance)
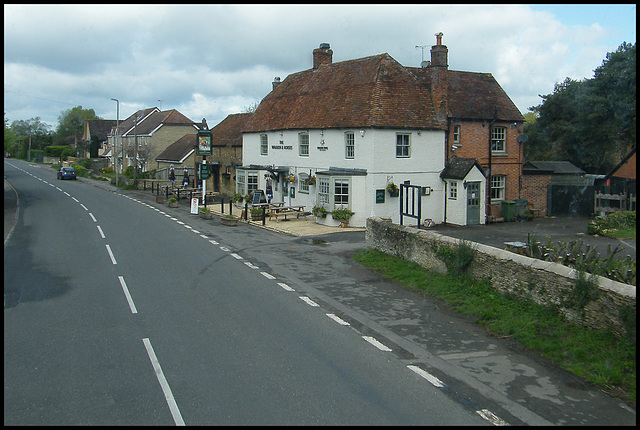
(226, 142)
(336, 135)
(95, 135)
(154, 131)
(622, 178)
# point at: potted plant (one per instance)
(319, 212)
(173, 202)
(342, 215)
(230, 220)
(205, 213)
(311, 180)
(256, 214)
(393, 189)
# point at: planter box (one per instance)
(206, 215)
(159, 199)
(228, 221)
(173, 204)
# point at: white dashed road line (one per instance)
(376, 343)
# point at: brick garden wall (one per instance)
(527, 278)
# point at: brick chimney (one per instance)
(439, 53)
(322, 55)
(276, 82)
(439, 77)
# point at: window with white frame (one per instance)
(498, 139)
(349, 145)
(240, 182)
(497, 187)
(303, 144)
(456, 135)
(264, 145)
(323, 193)
(403, 145)
(453, 190)
(340, 193)
(252, 181)
(303, 183)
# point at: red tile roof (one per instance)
(229, 131)
(473, 95)
(368, 92)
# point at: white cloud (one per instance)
(212, 60)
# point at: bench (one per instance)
(288, 210)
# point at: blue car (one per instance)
(67, 173)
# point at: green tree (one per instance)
(70, 123)
(32, 129)
(590, 123)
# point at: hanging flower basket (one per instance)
(393, 189)
(291, 178)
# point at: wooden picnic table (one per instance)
(287, 210)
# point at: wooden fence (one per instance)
(606, 203)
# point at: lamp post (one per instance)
(115, 138)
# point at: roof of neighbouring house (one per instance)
(368, 92)
(178, 151)
(151, 119)
(473, 95)
(100, 128)
(551, 167)
(459, 168)
(229, 131)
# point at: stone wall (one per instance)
(543, 282)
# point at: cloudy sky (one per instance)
(209, 61)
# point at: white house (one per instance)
(336, 135)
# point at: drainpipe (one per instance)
(488, 203)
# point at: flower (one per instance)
(391, 187)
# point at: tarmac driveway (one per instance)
(564, 229)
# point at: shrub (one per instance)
(342, 214)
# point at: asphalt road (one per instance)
(478, 374)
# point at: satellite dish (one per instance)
(523, 138)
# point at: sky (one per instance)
(209, 61)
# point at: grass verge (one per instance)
(597, 356)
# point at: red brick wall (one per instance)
(474, 141)
(534, 189)
(628, 169)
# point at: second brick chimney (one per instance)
(322, 55)
(439, 77)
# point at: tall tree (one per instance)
(32, 132)
(70, 124)
(590, 123)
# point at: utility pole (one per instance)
(115, 138)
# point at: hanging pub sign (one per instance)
(204, 142)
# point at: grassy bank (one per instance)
(597, 356)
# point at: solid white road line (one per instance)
(168, 395)
(132, 306)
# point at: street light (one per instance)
(115, 138)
